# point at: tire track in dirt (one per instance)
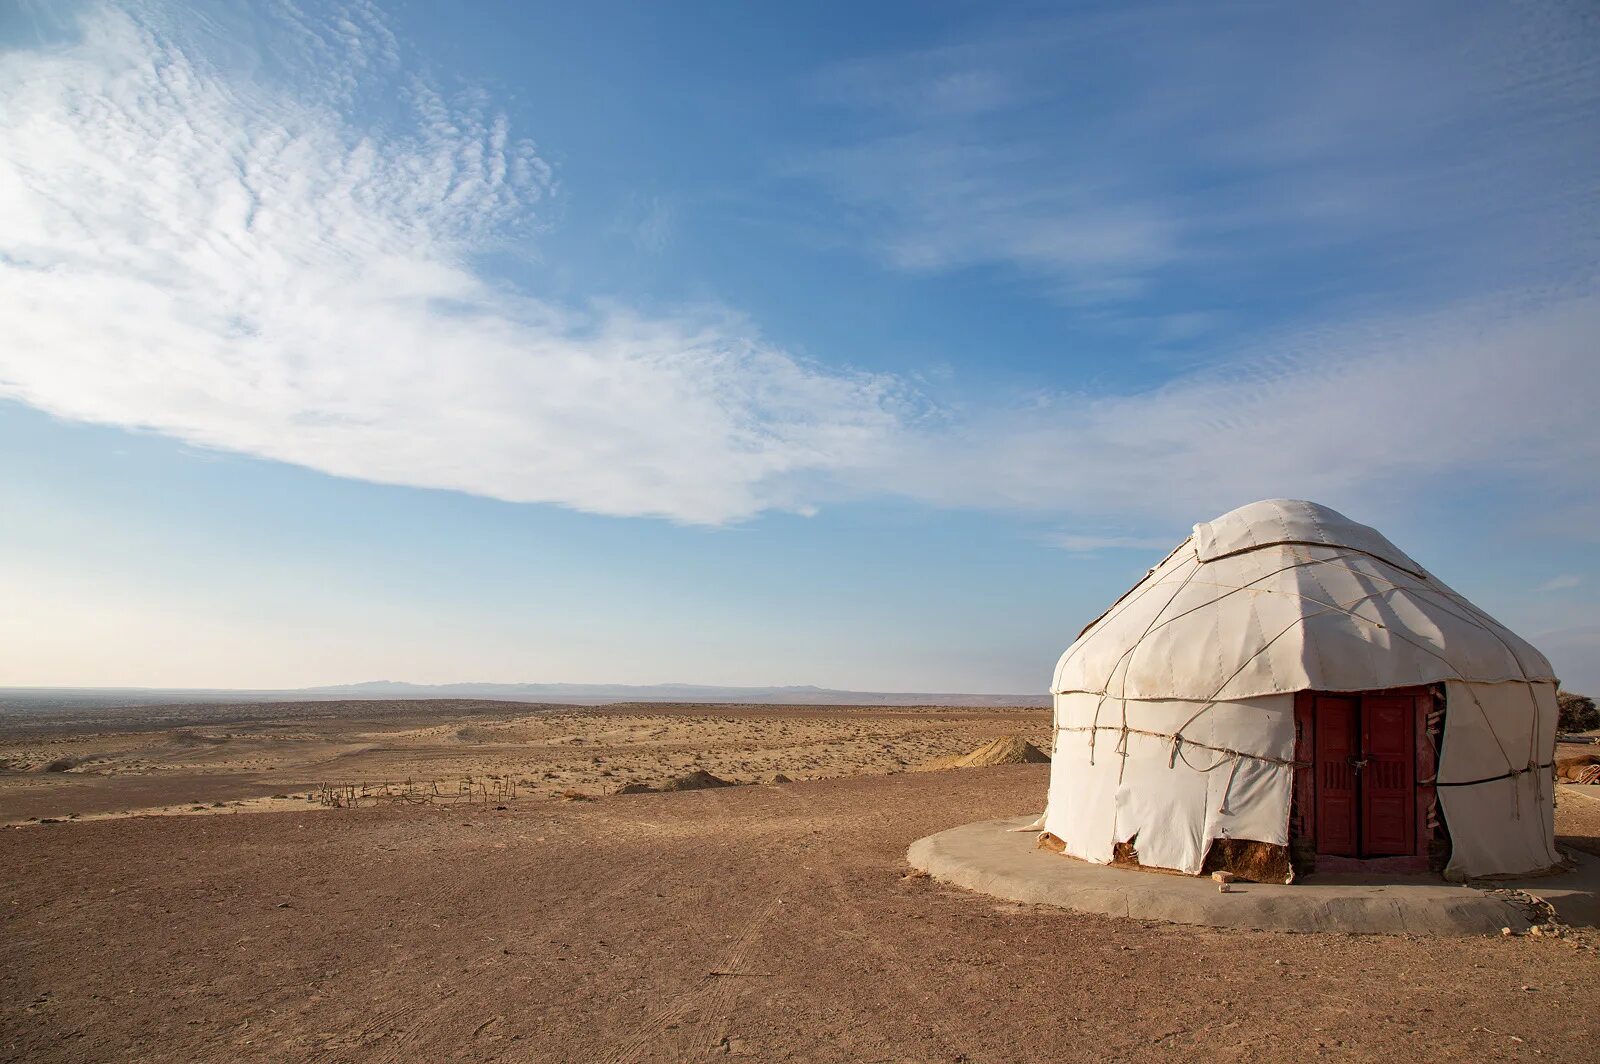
(378, 1027)
(892, 961)
(374, 1027)
(712, 1000)
(442, 1009)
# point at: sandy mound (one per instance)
(1006, 750)
(698, 780)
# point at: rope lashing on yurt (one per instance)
(1127, 665)
(1157, 621)
(1124, 663)
(1345, 608)
(1228, 751)
(1227, 788)
(1124, 659)
(1484, 623)
(1372, 623)
(1082, 642)
(1478, 619)
(1420, 575)
(1494, 779)
(1177, 737)
(1230, 756)
(1124, 656)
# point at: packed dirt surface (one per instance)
(1578, 814)
(771, 923)
(99, 762)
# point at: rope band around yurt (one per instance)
(1231, 756)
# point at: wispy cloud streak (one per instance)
(237, 263)
(242, 253)
(1200, 154)
(1475, 399)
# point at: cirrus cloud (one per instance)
(252, 255)
(229, 259)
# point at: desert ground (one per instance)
(768, 922)
(95, 763)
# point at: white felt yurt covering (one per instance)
(1174, 711)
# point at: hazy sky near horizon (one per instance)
(876, 348)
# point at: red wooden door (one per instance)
(1388, 779)
(1337, 808)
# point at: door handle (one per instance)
(1357, 763)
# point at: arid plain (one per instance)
(108, 762)
(551, 919)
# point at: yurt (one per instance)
(1289, 692)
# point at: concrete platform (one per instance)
(989, 858)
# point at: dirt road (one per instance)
(770, 922)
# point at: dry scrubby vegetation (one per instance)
(1578, 712)
(107, 763)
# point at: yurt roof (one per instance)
(1286, 595)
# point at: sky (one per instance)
(869, 347)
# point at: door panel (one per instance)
(1337, 808)
(1388, 805)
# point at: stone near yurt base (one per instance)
(1288, 682)
(1047, 841)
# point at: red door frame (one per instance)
(1307, 799)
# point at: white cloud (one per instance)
(231, 260)
(1198, 151)
(1079, 543)
(226, 254)
(1562, 582)
(1467, 400)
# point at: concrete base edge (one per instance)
(990, 858)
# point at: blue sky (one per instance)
(730, 343)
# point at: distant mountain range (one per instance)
(567, 693)
(804, 694)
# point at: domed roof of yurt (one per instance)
(1176, 711)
